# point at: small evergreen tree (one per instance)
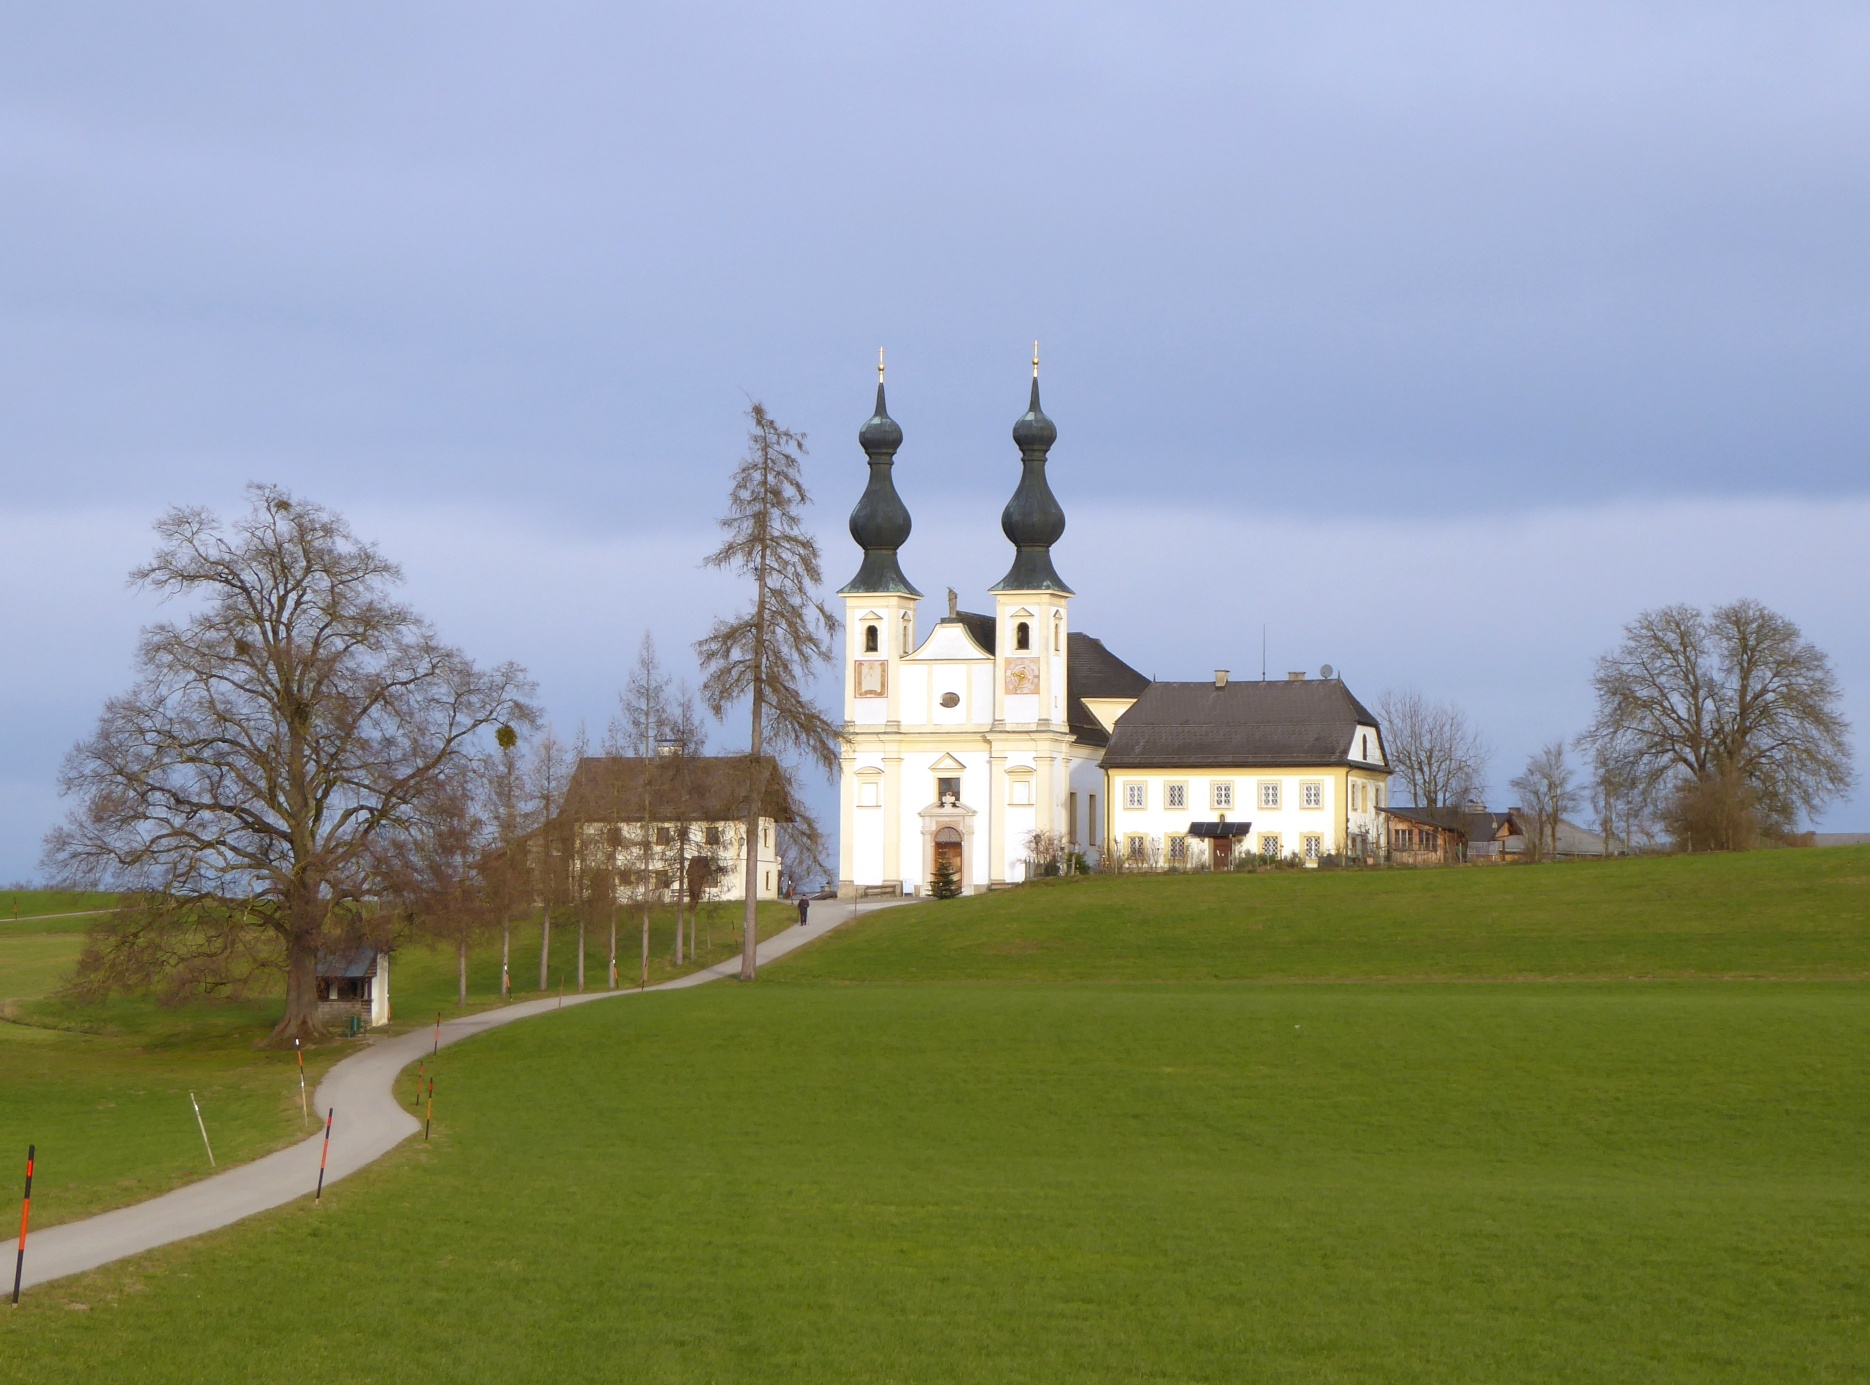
(945, 884)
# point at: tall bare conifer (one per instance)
(766, 656)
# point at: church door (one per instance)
(948, 848)
(1221, 853)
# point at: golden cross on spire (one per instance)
(879, 365)
(1035, 360)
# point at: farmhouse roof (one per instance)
(1243, 725)
(691, 788)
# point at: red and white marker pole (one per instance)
(430, 1118)
(438, 1035)
(25, 1215)
(319, 1196)
(304, 1111)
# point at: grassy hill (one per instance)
(1763, 914)
(1104, 1165)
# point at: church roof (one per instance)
(977, 625)
(1199, 725)
(1093, 671)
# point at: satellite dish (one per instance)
(1325, 672)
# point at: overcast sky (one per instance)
(1441, 339)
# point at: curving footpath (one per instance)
(370, 1123)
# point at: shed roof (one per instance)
(359, 961)
(1241, 725)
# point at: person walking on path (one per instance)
(805, 908)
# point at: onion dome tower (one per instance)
(880, 522)
(1032, 518)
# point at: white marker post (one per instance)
(204, 1128)
(304, 1111)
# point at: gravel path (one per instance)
(370, 1123)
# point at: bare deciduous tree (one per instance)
(437, 869)
(273, 741)
(637, 732)
(1547, 790)
(1433, 748)
(1731, 717)
(767, 654)
(550, 856)
(507, 818)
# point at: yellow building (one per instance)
(1200, 773)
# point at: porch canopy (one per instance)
(1220, 829)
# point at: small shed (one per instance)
(355, 983)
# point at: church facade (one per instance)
(983, 743)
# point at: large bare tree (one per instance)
(1433, 748)
(1730, 716)
(275, 736)
(768, 654)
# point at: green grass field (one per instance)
(103, 1090)
(1767, 914)
(1119, 1161)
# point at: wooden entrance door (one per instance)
(948, 848)
(1221, 852)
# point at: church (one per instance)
(997, 731)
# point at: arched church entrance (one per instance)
(948, 847)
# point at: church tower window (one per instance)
(870, 639)
(1022, 636)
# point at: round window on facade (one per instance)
(949, 699)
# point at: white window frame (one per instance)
(1135, 795)
(1269, 796)
(1312, 846)
(1221, 794)
(1276, 852)
(1312, 794)
(1177, 852)
(1019, 790)
(1175, 795)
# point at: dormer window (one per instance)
(870, 639)
(1022, 636)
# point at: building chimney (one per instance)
(1220, 677)
(1298, 677)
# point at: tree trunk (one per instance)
(461, 976)
(581, 948)
(545, 944)
(644, 983)
(613, 942)
(301, 1017)
(506, 952)
(749, 923)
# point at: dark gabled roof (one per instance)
(1476, 826)
(1093, 671)
(692, 788)
(359, 961)
(979, 626)
(1197, 725)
